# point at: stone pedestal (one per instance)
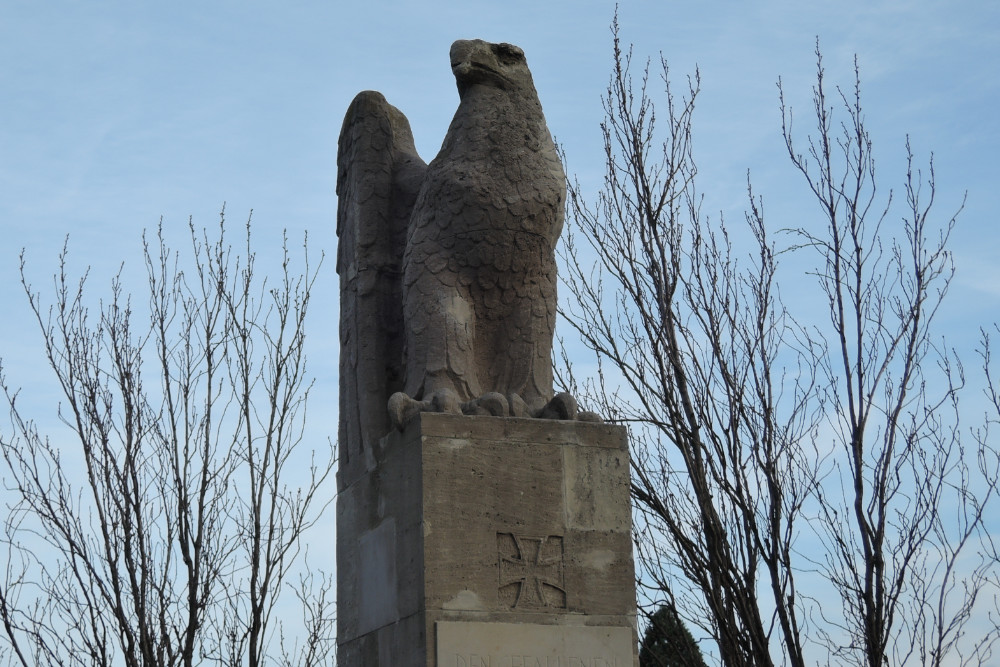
(483, 541)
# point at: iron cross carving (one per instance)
(531, 571)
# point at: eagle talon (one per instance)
(562, 406)
(403, 409)
(492, 404)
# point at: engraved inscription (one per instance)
(465, 644)
(476, 660)
(531, 571)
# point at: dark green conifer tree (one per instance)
(668, 643)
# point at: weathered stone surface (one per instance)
(493, 520)
(379, 604)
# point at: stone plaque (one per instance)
(470, 644)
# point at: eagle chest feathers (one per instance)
(493, 197)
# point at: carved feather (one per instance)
(379, 175)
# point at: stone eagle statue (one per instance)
(447, 270)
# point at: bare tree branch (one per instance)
(167, 534)
(733, 402)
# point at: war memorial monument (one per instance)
(481, 521)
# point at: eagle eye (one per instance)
(507, 53)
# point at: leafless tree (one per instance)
(162, 526)
(905, 504)
(779, 464)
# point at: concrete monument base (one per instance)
(488, 541)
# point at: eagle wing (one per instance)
(379, 175)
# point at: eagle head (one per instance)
(476, 62)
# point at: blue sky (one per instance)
(115, 113)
